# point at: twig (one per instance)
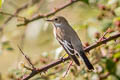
(68, 68)
(53, 64)
(24, 6)
(104, 76)
(13, 15)
(105, 33)
(16, 12)
(28, 68)
(70, 2)
(26, 58)
(87, 49)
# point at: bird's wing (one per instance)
(67, 46)
(78, 49)
(69, 49)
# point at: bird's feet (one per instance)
(62, 59)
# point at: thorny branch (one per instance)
(103, 36)
(53, 64)
(26, 58)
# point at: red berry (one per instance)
(102, 7)
(86, 44)
(117, 23)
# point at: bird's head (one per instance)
(58, 21)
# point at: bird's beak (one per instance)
(50, 20)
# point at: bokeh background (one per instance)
(89, 18)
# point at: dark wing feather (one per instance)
(69, 49)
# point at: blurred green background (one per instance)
(89, 18)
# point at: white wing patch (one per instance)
(67, 46)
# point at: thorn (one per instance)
(40, 73)
(88, 52)
(103, 36)
(115, 40)
(54, 9)
(44, 72)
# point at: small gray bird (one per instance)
(69, 40)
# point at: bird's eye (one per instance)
(56, 19)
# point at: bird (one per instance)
(69, 40)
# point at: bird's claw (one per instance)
(61, 58)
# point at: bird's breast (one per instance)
(59, 32)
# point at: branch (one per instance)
(70, 2)
(53, 64)
(104, 76)
(24, 6)
(26, 58)
(13, 15)
(16, 12)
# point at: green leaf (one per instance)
(6, 45)
(106, 24)
(86, 1)
(117, 11)
(117, 55)
(116, 19)
(111, 66)
(104, 59)
(111, 77)
(9, 48)
(117, 46)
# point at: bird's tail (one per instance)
(86, 61)
(75, 59)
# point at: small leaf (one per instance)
(7, 46)
(106, 24)
(117, 11)
(116, 19)
(86, 1)
(117, 46)
(111, 66)
(117, 55)
(112, 77)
